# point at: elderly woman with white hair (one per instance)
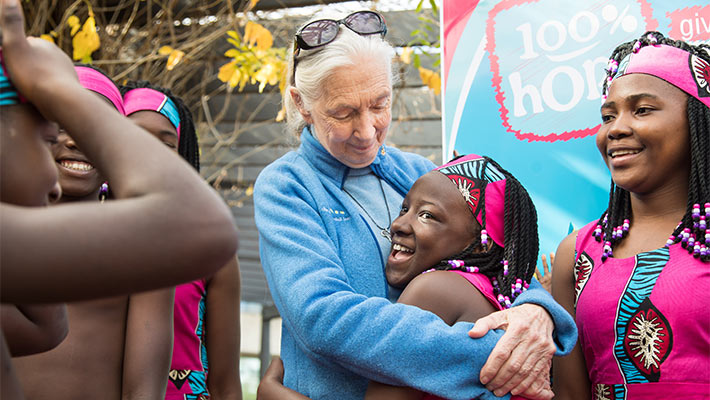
(323, 213)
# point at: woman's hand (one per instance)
(520, 362)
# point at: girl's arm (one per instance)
(223, 334)
(271, 385)
(571, 380)
(31, 329)
(448, 295)
(148, 345)
(135, 243)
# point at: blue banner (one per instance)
(522, 84)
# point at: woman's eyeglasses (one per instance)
(323, 31)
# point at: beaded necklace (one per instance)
(699, 246)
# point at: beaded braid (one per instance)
(692, 230)
(188, 146)
(510, 268)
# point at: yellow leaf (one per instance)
(74, 23)
(89, 25)
(406, 55)
(165, 50)
(174, 59)
(46, 37)
(230, 74)
(234, 35)
(85, 42)
(268, 73)
(234, 43)
(243, 81)
(225, 71)
(232, 53)
(249, 191)
(257, 34)
(431, 79)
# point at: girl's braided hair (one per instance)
(520, 237)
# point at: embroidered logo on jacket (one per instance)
(338, 215)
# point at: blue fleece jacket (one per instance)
(326, 276)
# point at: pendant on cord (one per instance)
(386, 234)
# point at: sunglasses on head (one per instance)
(323, 31)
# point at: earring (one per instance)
(103, 192)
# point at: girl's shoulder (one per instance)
(448, 295)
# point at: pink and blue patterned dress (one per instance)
(187, 379)
(643, 321)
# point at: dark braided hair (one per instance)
(188, 146)
(520, 236)
(618, 213)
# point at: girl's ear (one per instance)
(296, 97)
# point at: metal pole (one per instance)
(268, 312)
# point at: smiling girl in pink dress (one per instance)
(637, 278)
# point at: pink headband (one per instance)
(470, 178)
(146, 99)
(681, 69)
(101, 84)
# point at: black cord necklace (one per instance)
(384, 231)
